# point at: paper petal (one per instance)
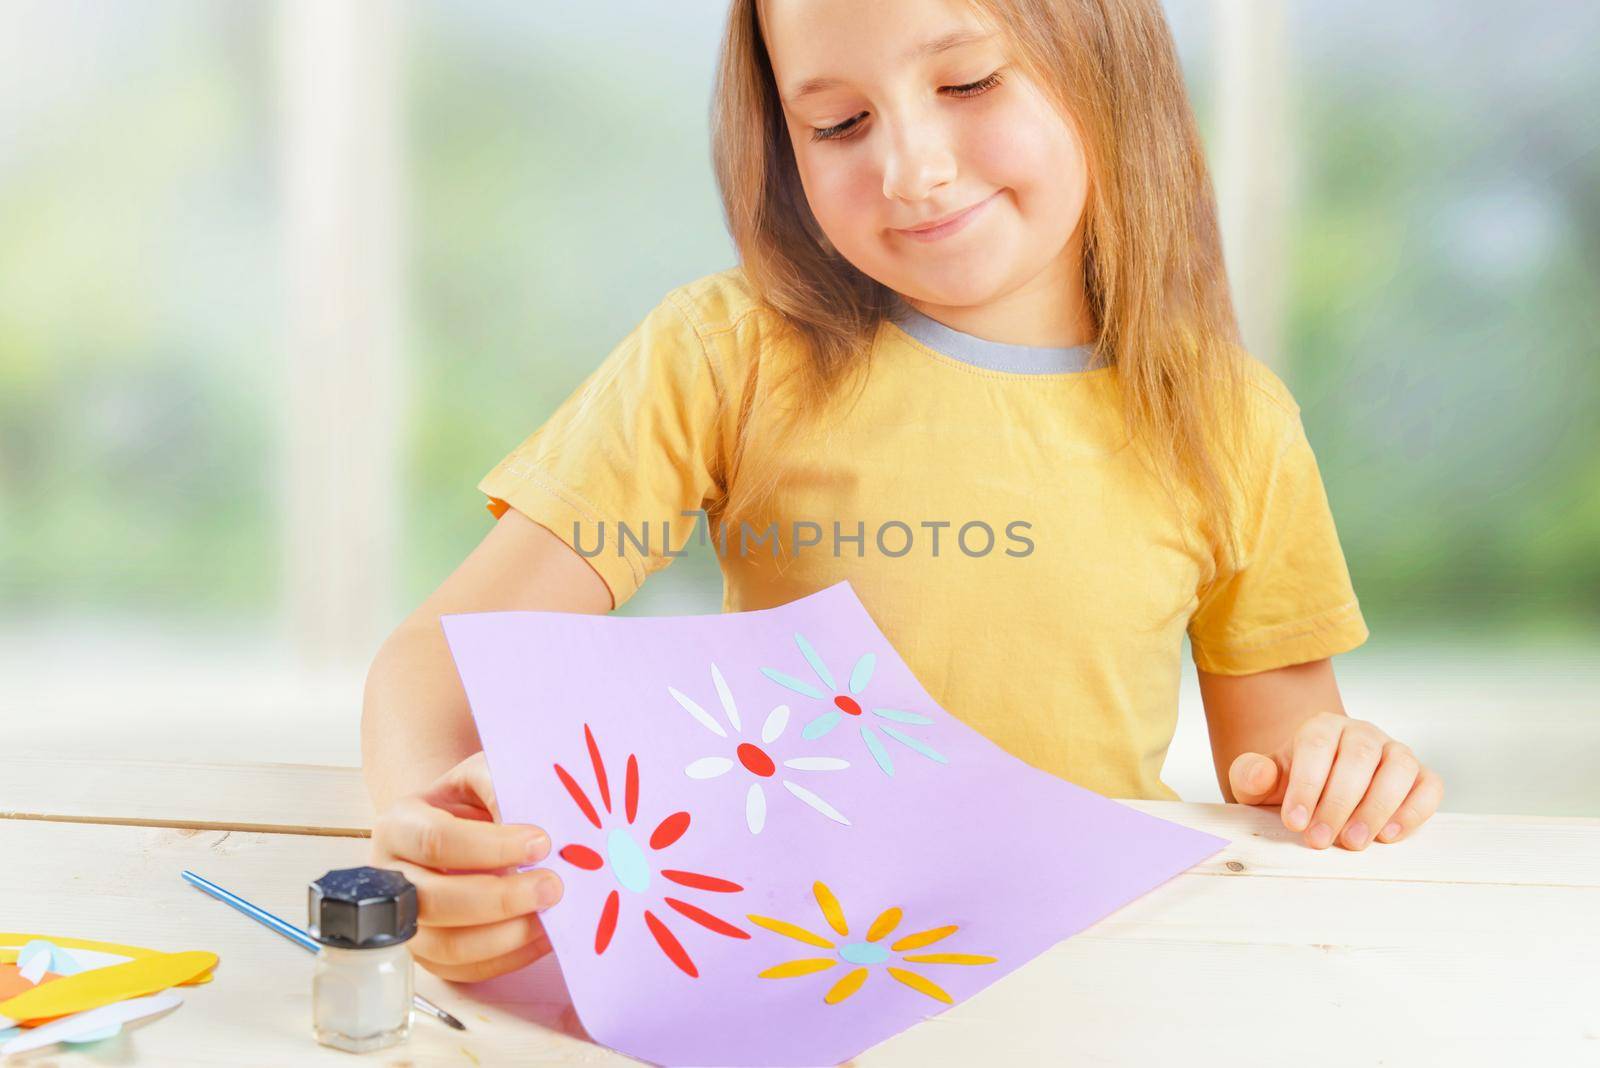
(755, 809)
(90, 1021)
(773, 728)
(708, 767)
(704, 718)
(729, 708)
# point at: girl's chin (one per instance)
(961, 283)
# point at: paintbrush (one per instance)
(299, 937)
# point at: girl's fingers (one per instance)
(488, 969)
(1415, 810)
(1314, 747)
(469, 900)
(467, 785)
(416, 831)
(1360, 749)
(1256, 779)
(1397, 773)
(456, 947)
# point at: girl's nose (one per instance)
(918, 161)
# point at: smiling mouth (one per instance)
(950, 225)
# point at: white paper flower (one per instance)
(749, 758)
(846, 705)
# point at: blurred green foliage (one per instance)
(1443, 321)
(137, 308)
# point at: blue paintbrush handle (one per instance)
(255, 912)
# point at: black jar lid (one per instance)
(362, 908)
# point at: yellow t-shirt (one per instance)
(1057, 634)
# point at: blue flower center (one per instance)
(864, 953)
(627, 861)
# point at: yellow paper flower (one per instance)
(864, 954)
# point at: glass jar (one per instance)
(361, 988)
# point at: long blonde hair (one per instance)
(1152, 256)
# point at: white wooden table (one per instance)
(1477, 942)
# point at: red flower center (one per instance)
(757, 762)
(847, 704)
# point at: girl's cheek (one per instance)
(844, 191)
(1031, 150)
(1019, 143)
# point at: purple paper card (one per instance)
(777, 849)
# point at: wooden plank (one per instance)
(291, 798)
(307, 799)
(1451, 847)
(1338, 970)
(1094, 1001)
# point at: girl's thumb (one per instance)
(1257, 779)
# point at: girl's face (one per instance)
(892, 137)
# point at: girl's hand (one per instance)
(477, 916)
(1339, 779)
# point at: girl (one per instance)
(980, 359)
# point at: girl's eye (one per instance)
(837, 133)
(977, 87)
(832, 133)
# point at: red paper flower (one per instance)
(631, 866)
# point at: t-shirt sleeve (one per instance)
(1290, 600)
(635, 446)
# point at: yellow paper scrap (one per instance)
(11, 943)
(102, 986)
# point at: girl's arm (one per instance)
(477, 915)
(415, 723)
(1282, 737)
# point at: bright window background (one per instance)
(278, 285)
